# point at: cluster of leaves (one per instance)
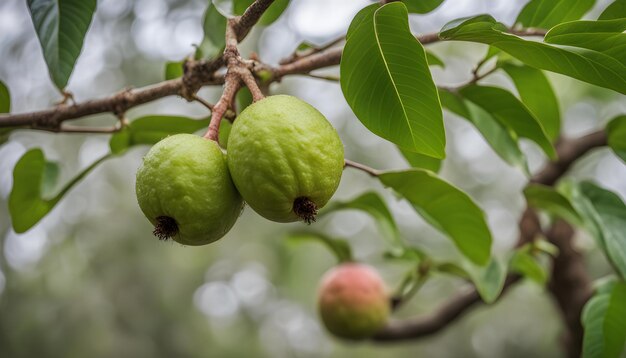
(386, 80)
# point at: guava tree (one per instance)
(285, 159)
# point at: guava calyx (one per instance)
(305, 209)
(165, 228)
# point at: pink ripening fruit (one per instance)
(353, 301)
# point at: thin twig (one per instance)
(252, 85)
(299, 54)
(203, 102)
(230, 90)
(322, 77)
(371, 171)
(250, 17)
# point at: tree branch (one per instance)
(419, 327)
(570, 285)
(568, 152)
(197, 73)
(250, 17)
(569, 277)
(238, 71)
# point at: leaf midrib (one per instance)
(382, 55)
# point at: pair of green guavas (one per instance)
(284, 159)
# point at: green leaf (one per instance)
(244, 99)
(421, 6)
(616, 131)
(608, 213)
(50, 177)
(224, 133)
(453, 269)
(617, 10)
(433, 60)
(501, 139)
(546, 247)
(547, 13)
(525, 264)
(588, 66)
(5, 99)
(386, 81)
(214, 25)
(604, 324)
(445, 207)
(151, 129)
(338, 247)
(271, 14)
(33, 177)
(537, 94)
(510, 112)
(417, 160)
(375, 206)
(605, 37)
(61, 26)
(489, 280)
(550, 200)
(173, 70)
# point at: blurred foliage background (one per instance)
(91, 281)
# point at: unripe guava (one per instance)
(185, 190)
(285, 158)
(353, 301)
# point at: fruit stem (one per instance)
(165, 228)
(305, 209)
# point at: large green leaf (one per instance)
(588, 66)
(386, 81)
(421, 6)
(604, 36)
(550, 200)
(151, 129)
(61, 26)
(547, 13)
(5, 99)
(433, 60)
(375, 206)
(510, 112)
(214, 25)
(616, 131)
(417, 160)
(604, 323)
(537, 94)
(445, 207)
(608, 213)
(338, 247)
(501, 139)
(271, 14)
(617, 10)
(33, 178)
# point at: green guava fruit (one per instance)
(285, 158)
(353, 301)
(185, 190)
